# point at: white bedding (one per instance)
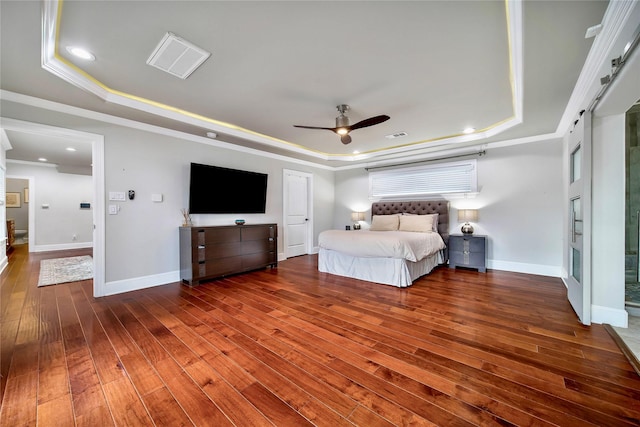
(382, 244)
(388, 271)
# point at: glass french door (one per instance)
(578, 278)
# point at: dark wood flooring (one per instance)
(292, 347)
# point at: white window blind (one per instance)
(443, 178)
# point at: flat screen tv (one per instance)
(217, 190)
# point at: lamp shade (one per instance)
(357, 216)
(468, 215)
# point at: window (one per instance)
(442, 178)
(576, 162)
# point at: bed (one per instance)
(389, 257)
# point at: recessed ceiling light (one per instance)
(469, 130)
(81, 53)
(42, 159)
(356, 152)
(70, 149)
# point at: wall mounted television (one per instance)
(218, 190)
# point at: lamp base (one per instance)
(467, 228)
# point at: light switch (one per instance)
(156, 197)
(113, 209)
(117, 196)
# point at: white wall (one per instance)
(141, 247)
(56, 226)
(520, 202)
(4, 145)
(608, 201)
(608, 139)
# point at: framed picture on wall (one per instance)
(26, 195)
(13, 200)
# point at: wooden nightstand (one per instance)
(468, 251)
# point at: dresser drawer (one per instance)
(464, 243)
(208, 236)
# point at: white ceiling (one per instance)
(435, 67)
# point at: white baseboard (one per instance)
(519, 267)
(612, 316)
(633, 311)
(60, 247)
(136, 283)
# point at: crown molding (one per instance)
(58, 66)
(119, 121)
(587, 86)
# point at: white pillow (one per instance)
(435, 219)
(417, 223)
(385, 223)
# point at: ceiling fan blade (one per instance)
(369, 122)
(345, 139)
(314, 127)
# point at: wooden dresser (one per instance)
(216, 251)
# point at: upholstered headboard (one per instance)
(419, 207)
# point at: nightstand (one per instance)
(468, 251)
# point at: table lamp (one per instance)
(356, 217)
(466, 216)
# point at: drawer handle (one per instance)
(200, 246)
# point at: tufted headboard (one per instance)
(418, 207)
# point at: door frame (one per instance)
(285, 198)
(98, 178)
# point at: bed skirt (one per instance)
(388, 271)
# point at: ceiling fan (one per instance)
(342, 124)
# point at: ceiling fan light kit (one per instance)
(342, 124)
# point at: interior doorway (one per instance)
(297, 212)
(632, 206)
(96, 142)
(20, 212)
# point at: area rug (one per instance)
(63, 270)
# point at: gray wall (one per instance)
(63, 223)
(520, 203)
(142, 239)
(19, 215)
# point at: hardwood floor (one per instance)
(292, 346)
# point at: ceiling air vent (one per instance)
(396, 135)
(177, 56)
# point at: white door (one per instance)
(297, 207)
(578, 279)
